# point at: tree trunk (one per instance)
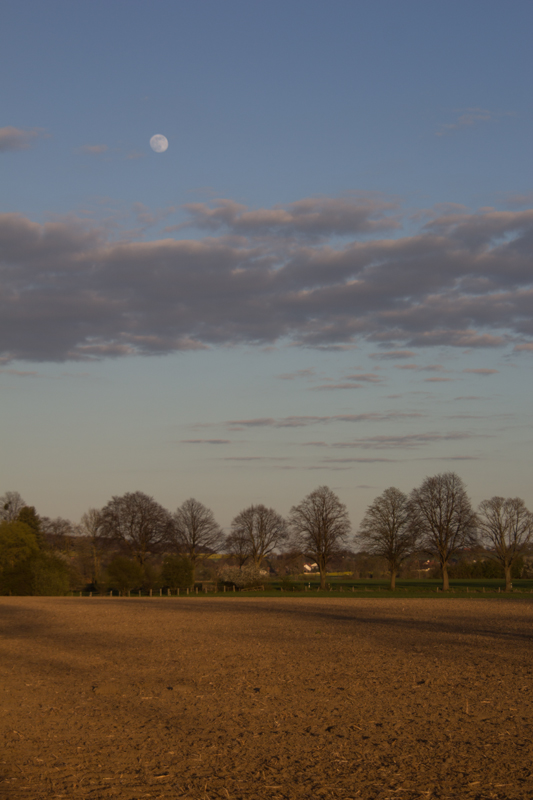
(322, 577)
(508, 579)
(392, 579)
(445, 580)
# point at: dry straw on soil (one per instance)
(259, 698)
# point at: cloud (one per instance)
(93, 149)
(310, 217)
(365, 377)
(525, 347)
(12, 139)
(19, 373)
(394, 354)
(206, 441)
(482, 371)
(70, 291)
(303, 422)
(335, 386)
(410, 440)
(468, 117)
(299, 373)
(358, 460)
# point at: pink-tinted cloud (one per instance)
(13, 139)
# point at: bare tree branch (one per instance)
(320, 525)
(506, 527)
(443, 517)
(387, 530)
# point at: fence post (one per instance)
(80, 594)
(161, 593)
(150, 592)
(168, 592)
(139, 592)
(111, 593)
(178, 592)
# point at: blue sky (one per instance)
(325, 279)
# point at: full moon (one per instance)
(159, 143)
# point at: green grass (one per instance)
(343, 588)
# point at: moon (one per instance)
(159, 143)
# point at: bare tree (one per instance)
(506, 527)
(443, 517)
(320, 525)
(137, 521)
(91, 526)
(262, 530)
(387, 530)
(195, 530)
(11, 503)
(58, 533)
(237, 545)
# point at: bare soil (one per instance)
(247, 698)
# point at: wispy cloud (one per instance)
(206, 441)
(13, 139)
(468, 117)
(305, 421)
(393, 355)
(482, 371)
(93, 149)
(409, 441)
(299, 373)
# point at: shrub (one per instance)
(177, 572)
(245, 577)
(124, 574)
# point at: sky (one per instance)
(326, 279)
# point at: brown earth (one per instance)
(258, 698)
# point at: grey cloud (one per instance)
(69, 291)
(299, 373)
(206, 441)
(18, 138)
(394, 354)
(302, 422)
(357, 460)
(407, 441)
(326, 386)
(312, 216)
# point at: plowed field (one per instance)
(246, 698)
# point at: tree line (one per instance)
(437, 518)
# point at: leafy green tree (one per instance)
(124, 574)
(50, 575)
(177, 572)
(18, 543)
(28, 516)
(24, 568)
